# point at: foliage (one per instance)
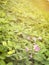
(20, 28)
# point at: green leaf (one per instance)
(10, 63)
(2, 62)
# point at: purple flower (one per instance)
(36, 47)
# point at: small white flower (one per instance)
(34, 39)
(30, 55)
(39, 38)
(28, 37)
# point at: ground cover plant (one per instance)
(24, 33)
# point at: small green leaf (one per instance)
(10, 63)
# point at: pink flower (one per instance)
(27, 49)
(36, 47)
